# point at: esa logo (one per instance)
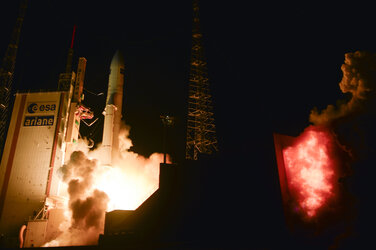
(41, 107)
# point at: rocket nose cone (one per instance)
(118, 58)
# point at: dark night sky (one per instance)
(269, 65)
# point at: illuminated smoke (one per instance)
(359, 80)
(323, 188)
(93, 189)
(310, 170)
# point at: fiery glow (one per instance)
(120, 188)
(91, 189)
(310, 170)
(128, 188)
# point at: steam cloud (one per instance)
(87, 205)
(359, 79)
(353, 123)
(93, 189)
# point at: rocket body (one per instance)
(113, 109)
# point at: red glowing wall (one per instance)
(308, 172)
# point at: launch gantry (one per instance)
(7, 72)
(201, 131)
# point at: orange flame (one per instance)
(128, 186)
(125, 185)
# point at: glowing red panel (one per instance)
(310, 170)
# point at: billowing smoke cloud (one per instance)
(353, 123)
(359, 80)
(89, 212)
(92, 189)
(87, 205)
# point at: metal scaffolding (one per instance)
(6, 75)
(201, 131)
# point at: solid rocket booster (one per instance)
(112, 112)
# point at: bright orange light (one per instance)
(310, 170)
(89, 185)
(126, 191)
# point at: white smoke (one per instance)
(359, 80)
(353, 124)
(93, 189)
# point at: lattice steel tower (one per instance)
(201, 132)
(7, 72)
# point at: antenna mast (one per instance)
(201, 131)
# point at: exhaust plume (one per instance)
(353, 124)
(86, 206)
(92, 189)
(359, 80)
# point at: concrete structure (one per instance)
(175, 215)
(42, 133)
(113, 110)
(33, 152)
(45, 226)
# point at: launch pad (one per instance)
(44, 134)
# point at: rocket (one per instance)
(113, 109)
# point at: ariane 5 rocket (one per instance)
(113, 109)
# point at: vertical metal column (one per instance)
(201, 131)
